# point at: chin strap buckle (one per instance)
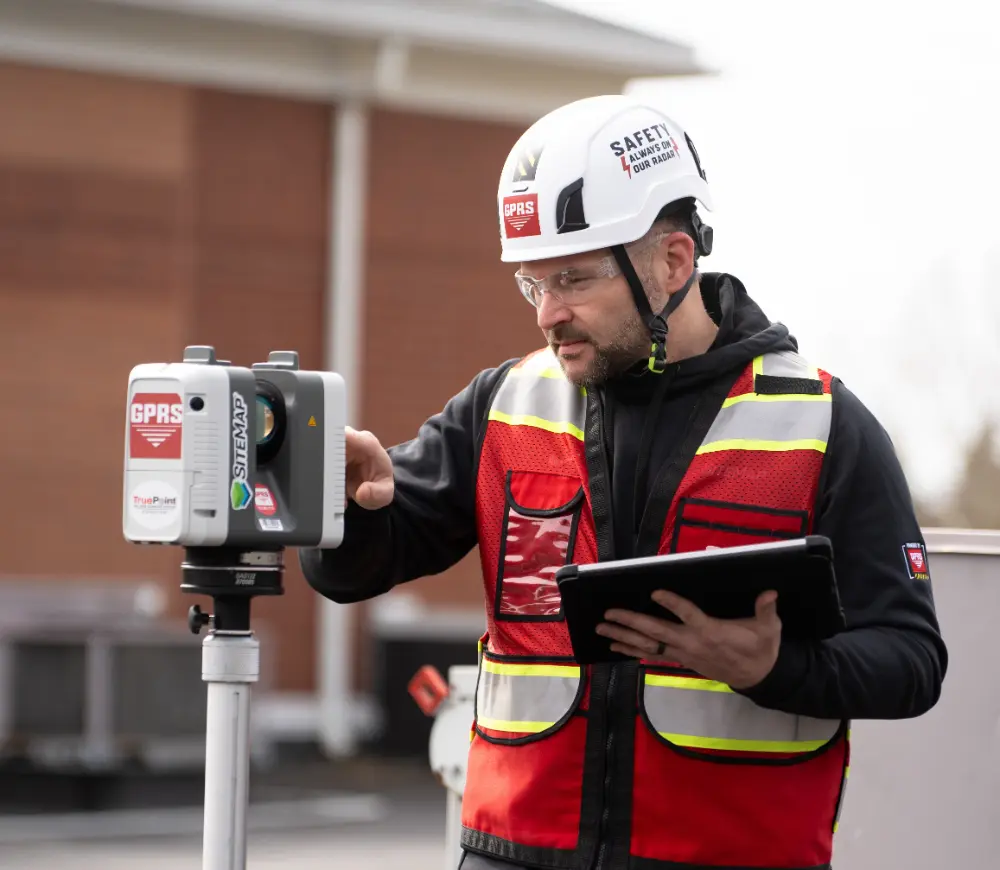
(657, 363)
(657, 358)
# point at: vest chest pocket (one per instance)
(703, 523)
(541, 516)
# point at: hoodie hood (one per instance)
(745, 332)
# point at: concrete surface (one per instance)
(369, 816)
(302, 850)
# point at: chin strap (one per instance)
(656, 323)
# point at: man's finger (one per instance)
(628, 637)
(684, 610)
(637, 653)
(650, 626)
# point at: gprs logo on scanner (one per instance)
(155, 426)
(916, 561)
(264, 500)
(520, 216)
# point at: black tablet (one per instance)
(724, 583)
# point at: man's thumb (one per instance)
(767, 606)
(363, 495)
(374, 494)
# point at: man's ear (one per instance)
(673, 262)
(678, 250)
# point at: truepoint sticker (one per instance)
(154, 504)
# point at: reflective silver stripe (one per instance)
(538, 394)
(772, 421)
(787, 364)
(523, 698)
(705, 714)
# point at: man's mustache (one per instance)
(564, 336)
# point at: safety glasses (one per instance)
(572, 286)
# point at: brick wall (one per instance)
(136, 218)
(440, 306)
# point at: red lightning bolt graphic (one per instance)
(626, 167)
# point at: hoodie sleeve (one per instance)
(891, 661)
(430, 524)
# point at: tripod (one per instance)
(230, 664)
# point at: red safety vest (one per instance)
(714, 780)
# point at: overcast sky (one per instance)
(855, 165)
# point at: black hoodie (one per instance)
(889, 665)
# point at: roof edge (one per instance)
(604, 45)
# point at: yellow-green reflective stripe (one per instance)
(784, 364)
(525, 698)
(696, 683)
(513, 727)
(530, 670)
(538, 423)
(540, 361)
(787, 397)
(542, 364)
(742, 745)
(771, 446)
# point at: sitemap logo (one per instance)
(240, 493)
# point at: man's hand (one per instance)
(369, 470)
(737, 652)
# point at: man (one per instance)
(666, 413)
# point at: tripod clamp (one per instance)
(233, 578)
(230, 665)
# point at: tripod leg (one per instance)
(230, 664)
(453, 830)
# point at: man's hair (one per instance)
(673, 218)
(676, 217)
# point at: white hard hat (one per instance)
(594, 174)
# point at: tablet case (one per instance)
(724, 583)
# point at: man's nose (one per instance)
(552, 312)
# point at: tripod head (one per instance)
(232, 578)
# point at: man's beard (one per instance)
(628, 345)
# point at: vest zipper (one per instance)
(608, 770)
(598, 463)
